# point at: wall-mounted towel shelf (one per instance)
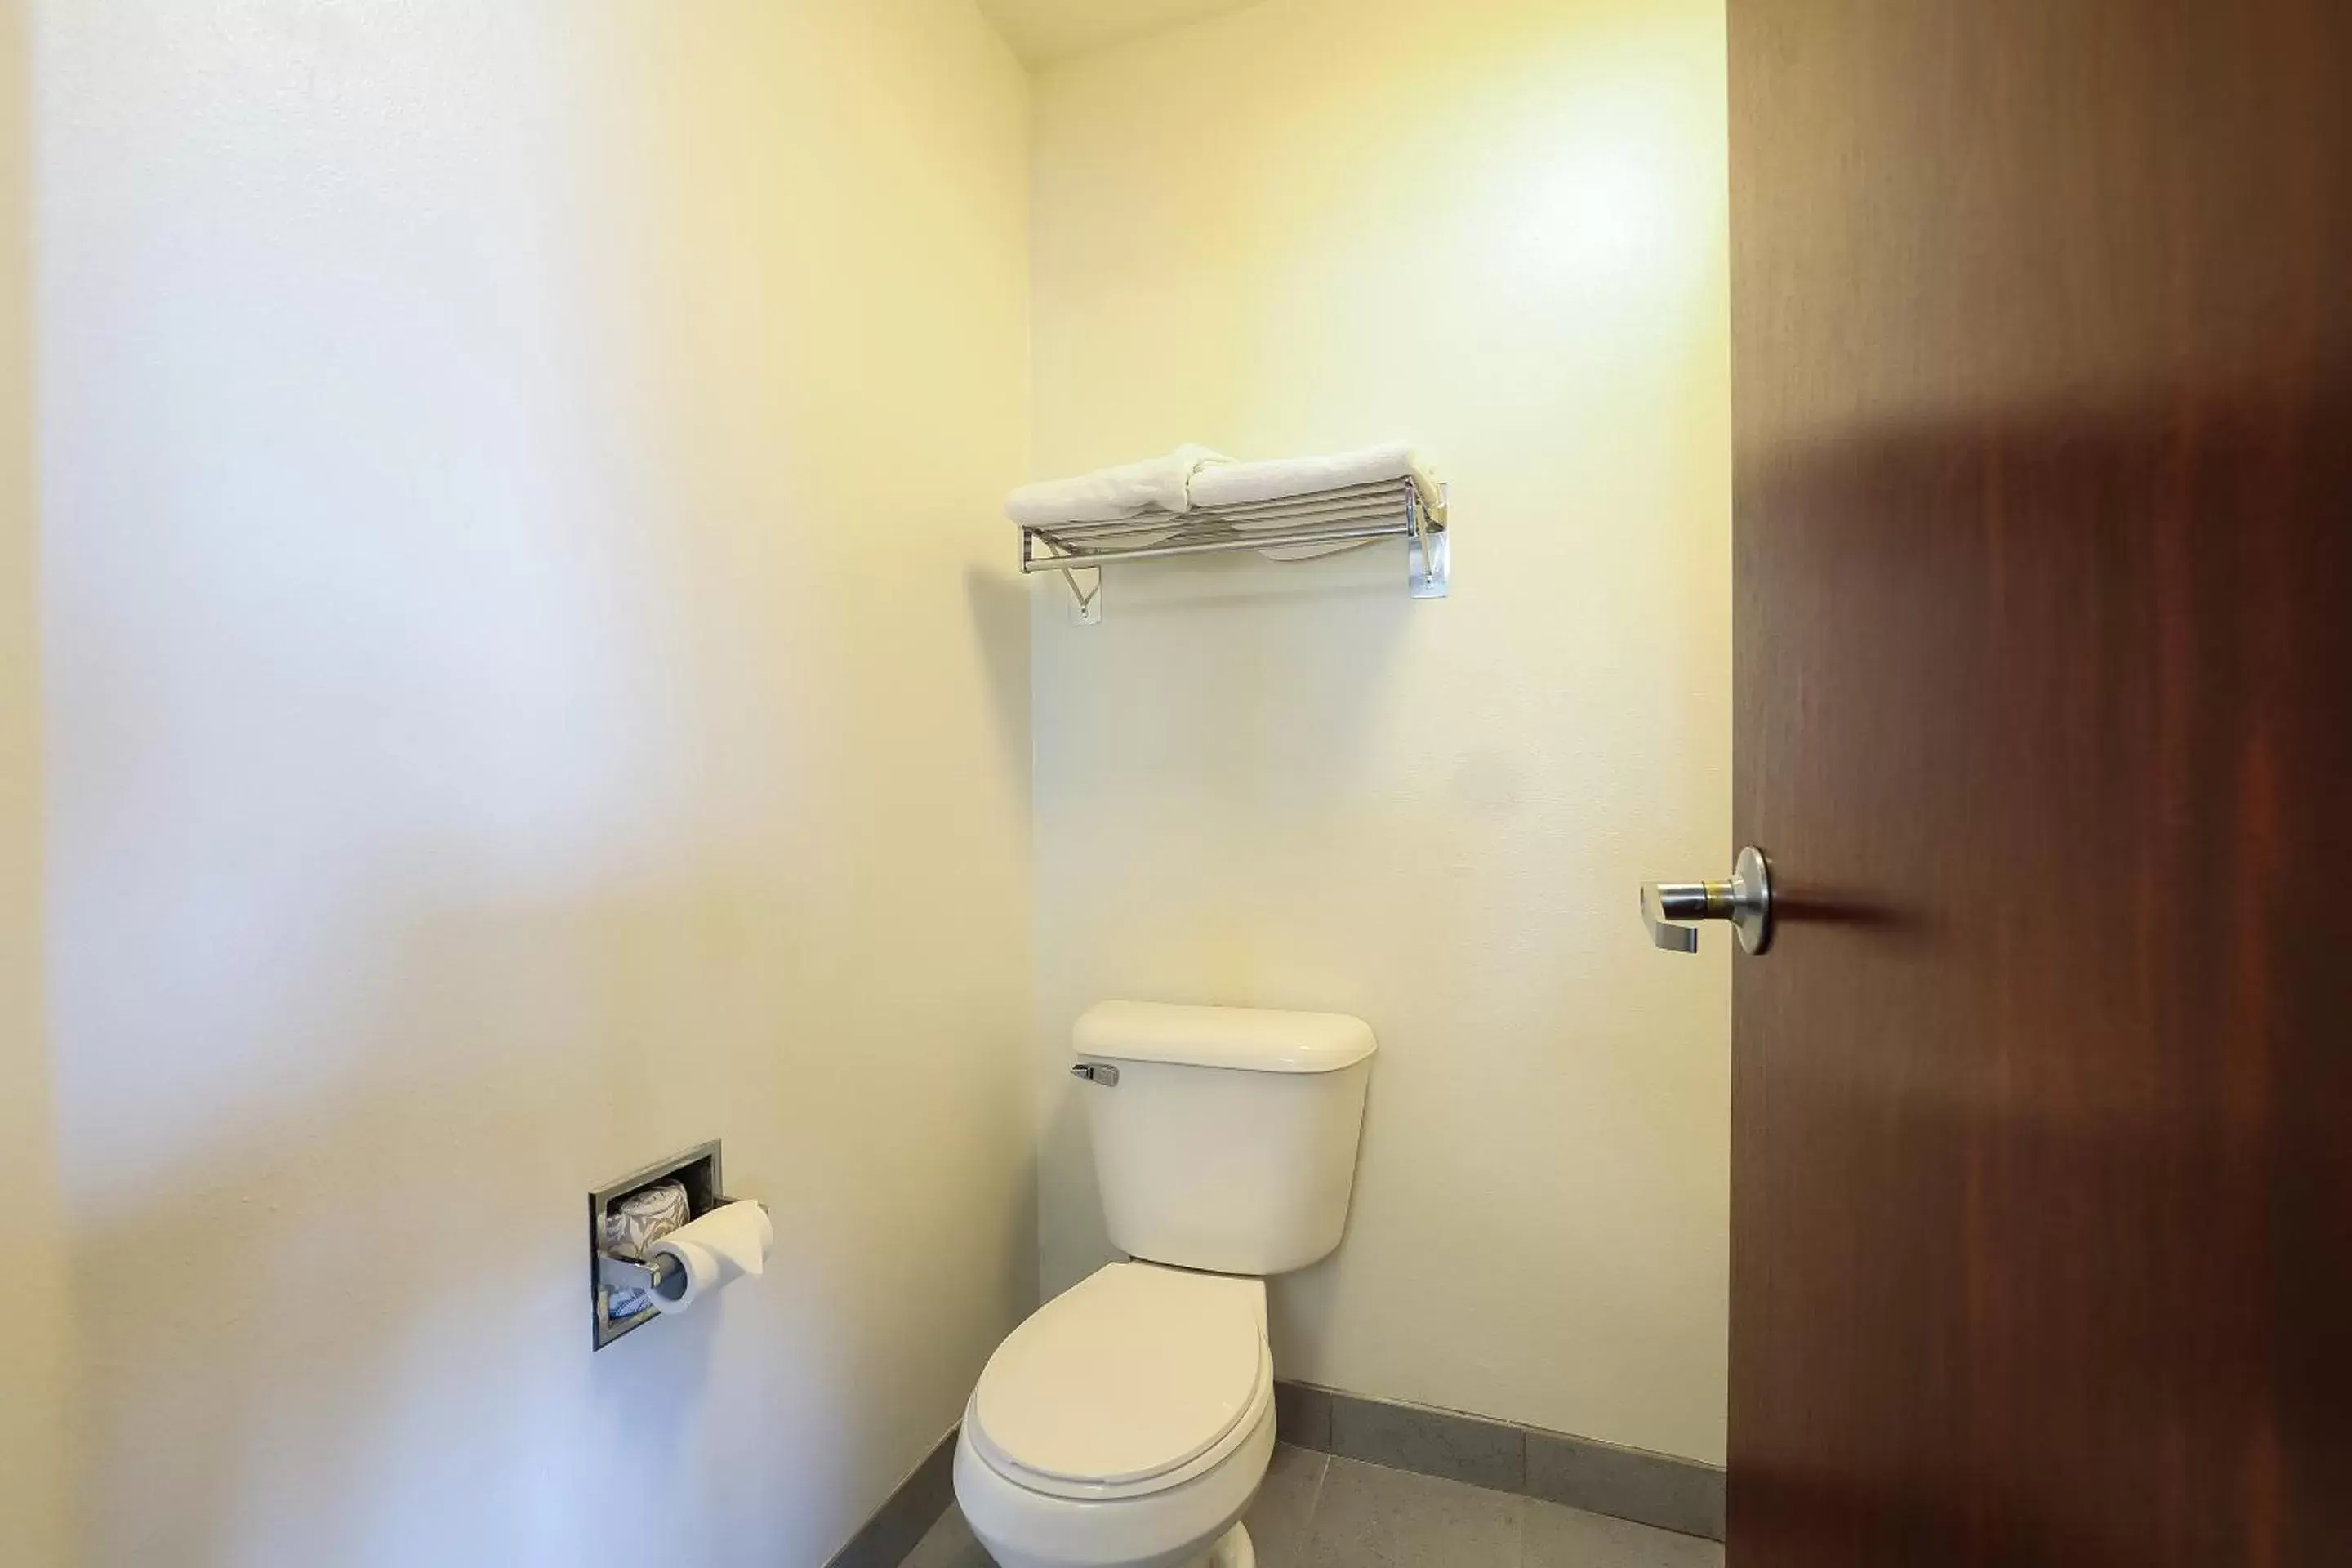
(1318, 522)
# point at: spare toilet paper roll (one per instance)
(721, 1245)
(631, 1228)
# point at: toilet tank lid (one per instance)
(1253, 1040)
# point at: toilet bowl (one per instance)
(1128, 1422)
(1126, 1425)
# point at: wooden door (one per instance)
(2042, 1100)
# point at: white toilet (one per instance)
(1127, 1424)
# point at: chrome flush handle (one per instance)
(1672, 909)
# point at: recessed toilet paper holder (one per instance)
(696, 1169)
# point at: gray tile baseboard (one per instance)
(1600, 1478)
(907, 1515)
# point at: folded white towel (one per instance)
(1109, 495)
(1237, 484)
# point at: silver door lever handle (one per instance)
(1672, 909)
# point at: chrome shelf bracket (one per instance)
(1428, 555)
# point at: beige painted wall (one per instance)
(1042, 30)
(485, 753)
(34, 1355)
(1495, 227)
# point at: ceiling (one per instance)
(1044, 30)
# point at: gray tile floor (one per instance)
(1316, 1511)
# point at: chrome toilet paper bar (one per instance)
(662, 1276)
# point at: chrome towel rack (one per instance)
(1339, 519)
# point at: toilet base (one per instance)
(1232, 1550)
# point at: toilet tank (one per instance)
(1225, 1138)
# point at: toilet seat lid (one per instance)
(1136, 1371)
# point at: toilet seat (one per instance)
(1134, 1382)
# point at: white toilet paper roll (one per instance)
(723, 1245)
